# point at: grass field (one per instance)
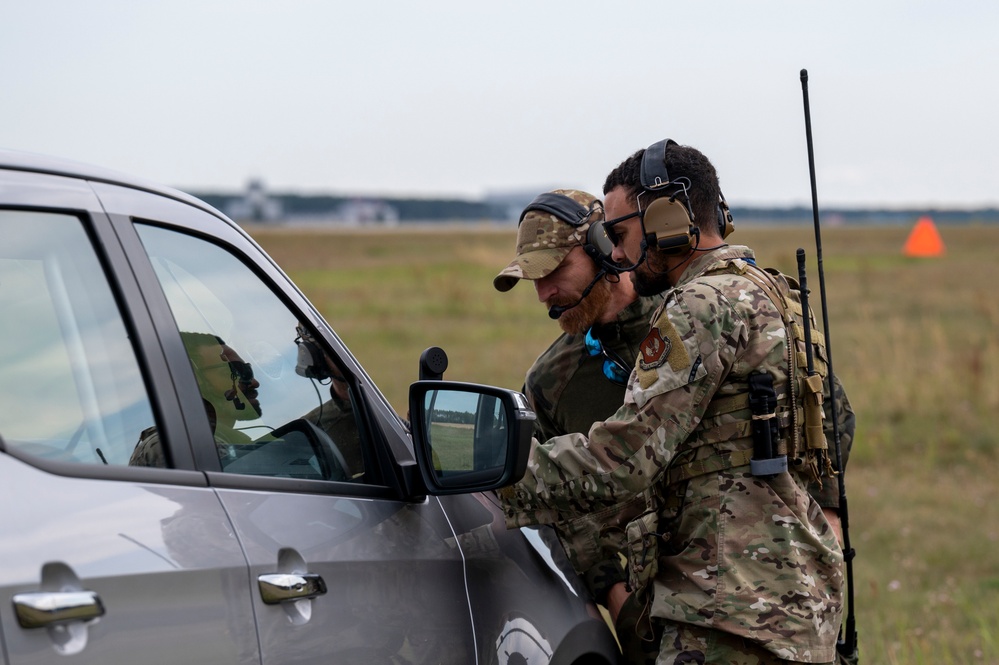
(914, 342)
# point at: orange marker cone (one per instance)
(924, 241)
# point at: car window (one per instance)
(279, 403)
(71, 387)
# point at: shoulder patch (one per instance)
(655, 349)
(662, 344)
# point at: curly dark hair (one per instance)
(681, 161)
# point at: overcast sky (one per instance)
(464, 98)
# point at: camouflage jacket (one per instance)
(566, 386)
(720, 548)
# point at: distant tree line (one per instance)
(446, 210)
(854, 216)
(408, 209)
(457, 417)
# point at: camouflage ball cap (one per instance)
(544, 237)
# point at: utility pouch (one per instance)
(766, 462)
(811, 393)
(644, 541)
(817, 449)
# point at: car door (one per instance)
(305, 457)
(102, 561)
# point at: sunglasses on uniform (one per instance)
(615, 369)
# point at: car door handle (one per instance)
(44, 608)
(280, 587)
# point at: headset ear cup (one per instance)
(729, 226)
(725, 223)
(598, 245)
(669, 222)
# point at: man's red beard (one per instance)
(579, 319)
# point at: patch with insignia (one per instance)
(655, 349)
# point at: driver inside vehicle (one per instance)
(336, 415)
(228, 390)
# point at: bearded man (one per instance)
(733, 560)
(581, 378)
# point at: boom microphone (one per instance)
(233, 396)
(644, 246)
(555, 311)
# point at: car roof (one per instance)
(16, 160)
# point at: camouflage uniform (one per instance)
(568, 391)
(566, 386)
(719, 552)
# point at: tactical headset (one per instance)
(597, 245)
(669, 222)
(310, 356)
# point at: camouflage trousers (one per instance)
(646, 641)
(683, 643)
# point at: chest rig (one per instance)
(788, 414)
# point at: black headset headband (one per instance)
(568, 210)
(597, 245)
(654, 175)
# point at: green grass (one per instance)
(914, 341)
(450, 444)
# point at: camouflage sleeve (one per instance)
(828, 495)
(683, 360)
(595, 537)
(588, 540)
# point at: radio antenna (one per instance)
(847, 643)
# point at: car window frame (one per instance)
(380, 429)
(57, 194)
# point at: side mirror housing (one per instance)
(469, 437)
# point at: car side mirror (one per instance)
(469, 437)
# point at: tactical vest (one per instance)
(723, 439)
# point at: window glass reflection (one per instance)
(72, 387)
(467, 431)
(277, 401)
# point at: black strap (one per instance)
(653, 174)
(569, 211)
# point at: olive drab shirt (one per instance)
(566, 386)
(568, 391)
(720, 548)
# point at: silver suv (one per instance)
(195, 469)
